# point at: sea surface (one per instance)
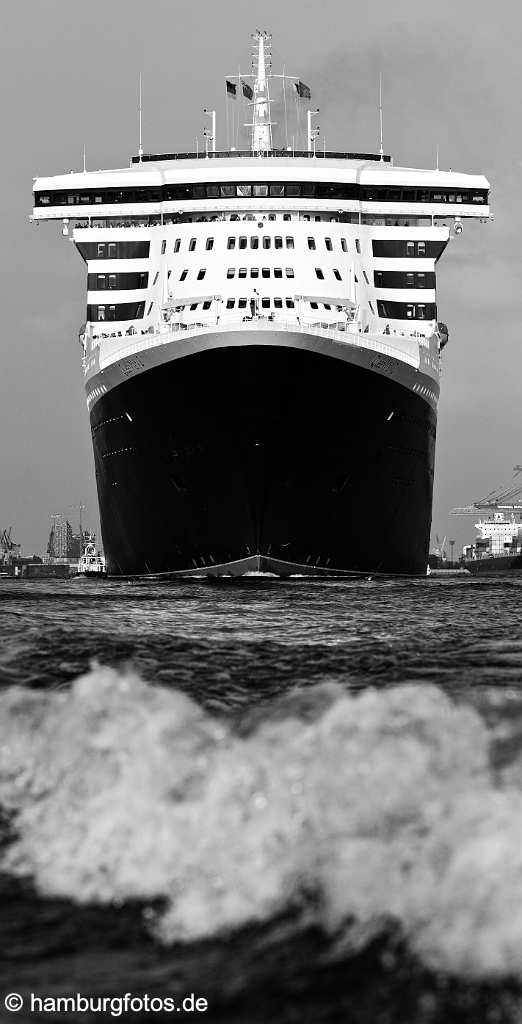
(300, 801)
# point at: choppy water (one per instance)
(300, 800)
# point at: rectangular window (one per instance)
(112, 281)
(421, 280)
(101, 312)
(421, 248)
(319, 273)
(177, 244)
(261, 191)
(410, 311)
(265, 303)
(311, 243)
(241, 303)
(231, 243)
(210, 244)
(231, 272)
(410, 248)
(267, 241)
(112, 313)
(242, 272)
(242, 241)
(287, 216)
(410, 279)
(201, 274)
(289, 272)
(289, 242)
(278, 242)
(183, 275)
(265, 272)
(101, 250)
(344, 246)
(212, 191)
(290, 303)
(357, 245)
(378, 279)
(254, 242)
(293, 190)
(278, 271)
(244, 191)
(192, 244)
(193, 306)
(101, 282)
(328, 244)
(276, 189)
(207, 304)
(278, 303)
(231, 303)
(163, 246)
(313, 305)
(254, 271)
(227, 191)
(421, 312)
(337, 274)
(112, 250)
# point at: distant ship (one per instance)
(91, 562)
(498, 545)
(261, 347)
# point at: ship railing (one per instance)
(406, 349)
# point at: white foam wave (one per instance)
(381, 804)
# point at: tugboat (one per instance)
(91, 562)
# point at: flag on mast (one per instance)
(248, 92)
(231, 89)
(303, 91)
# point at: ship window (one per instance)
(378, 279)
(344, 246)
(231, 272)
(193, 306)
(421, 248)
(421, 280)
(278, 242)
(227, 191)
(212, 191)
(337, 274)
(421, 312)
(313, 305)
(289, 272)
(357, 245)
(163, 246)
(319, 273)
(326, 305)
(149, 309)
(101, 282)
(101, 312)
(271, 216)
(410, 248)
(155, 277)
(242, 272)
(210, 244)
(244, 190)
(192, 244)
(410, 311)
(265, 303)
(290, 303)
(177, 244)
(231, 243)
(276, 189)
(287, 216)
(201, 274)
(311, 243)
(265, 272)
(293, 190)
(278, 303)
(231, 303)
(112, 280)
(410, 280)
(183, 275)
(112, 313)
(289, 242)
(206, 305)
(241, 303)
(101, 250)
(242, 241)
(328, 244)
(260, 190)
(267, 241)
(278, 271)
(254, 271)
(112, 250)
(254, 242)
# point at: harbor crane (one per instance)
(504, 499)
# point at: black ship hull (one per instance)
(263, 458)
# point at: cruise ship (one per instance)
(262, 348)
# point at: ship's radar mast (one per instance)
(261, 124)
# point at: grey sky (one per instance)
(69, 71)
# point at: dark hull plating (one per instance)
(277, 456)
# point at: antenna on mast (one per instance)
(261, 124)
(140, 147)
(381, 151)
